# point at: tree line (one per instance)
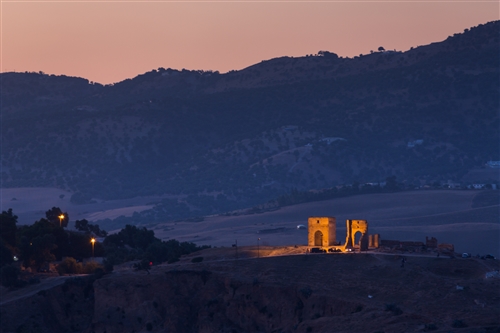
(34, 247)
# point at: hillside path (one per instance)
(48, 283)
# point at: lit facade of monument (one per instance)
(321, 231)
(352, 227)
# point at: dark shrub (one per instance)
(393, 308)
(9, 275)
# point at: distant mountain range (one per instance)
(209, 142)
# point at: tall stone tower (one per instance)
(321, 231)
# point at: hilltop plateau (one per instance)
(291, 293)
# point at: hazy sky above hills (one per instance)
(108, 41)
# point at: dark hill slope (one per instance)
(191, 132)
(300, 293)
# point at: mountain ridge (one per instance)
(224, 141)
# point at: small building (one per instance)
(414, 143)
(493, 164)
(329, 140)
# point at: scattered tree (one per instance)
(54, 216)
(88, 228)
(6, 255)
(391, 184)
(8, 227)
(143, 265)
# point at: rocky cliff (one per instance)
(306, 293)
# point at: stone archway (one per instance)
(357, 237)
(318, 238)
(321, 231)
(354, 227)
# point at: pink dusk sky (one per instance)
(109, 41)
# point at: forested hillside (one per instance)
(213, 142)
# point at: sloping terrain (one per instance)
(466, 219)
(469, 219)
(216, 142)
(301, 293)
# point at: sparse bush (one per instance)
(430, 327)
(457, 323)
(149, 327)
(393, 308)
(91, 267)
(69, 266)
(358, 308)
(197, 259)
(143, 265)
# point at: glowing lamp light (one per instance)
(61, 217)
(93, 242)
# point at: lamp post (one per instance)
(258, 247)
(61, 217)
(93, 242)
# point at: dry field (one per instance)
(468, 219)
(464, 218)
(30, 204)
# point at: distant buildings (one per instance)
(493, 164)
(329, 140)
(414, 143)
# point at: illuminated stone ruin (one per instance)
(321, 231)
(354, 227)
(374, 241)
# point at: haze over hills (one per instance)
(208, 142)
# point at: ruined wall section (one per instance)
(354, 226)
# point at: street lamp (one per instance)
(93, 242)
(61, 217)
(258, 247)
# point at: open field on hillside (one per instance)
(30, 204)
(446, 215)
(468, 219)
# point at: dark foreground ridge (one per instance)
(300, 293)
